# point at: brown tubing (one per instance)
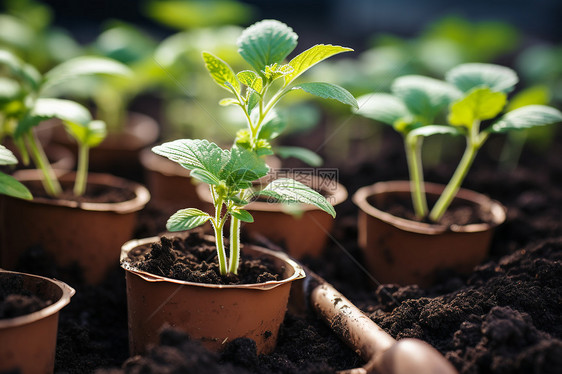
(383, 354)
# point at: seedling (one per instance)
(230, 175)
(25, 103)
(256, 91)
(8, 184)
(480, 94)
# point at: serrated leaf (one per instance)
(265, 43)
(44, 109)
(242, 215)
(253, 100)
(303, 154)
(82, 66)
(429, 130)
(227, 102)
(382, 107)
(90, 134)
(250, 79)
(287, 190)
(221, 72)
(186, 219)
(195, 154)
(243, 167)
(526, 117)
(424, 96)
(496, 77)
(7, 157)
(273, 125)
(328, 91)
(204, 176)
(311, 57)
(11, 187)
(480, 104)
(20, 69)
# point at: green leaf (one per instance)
(238, 201)
(266, 42)
(243, 168)
(242, 215)
(7, 157)
(429, 130)
(526, 117)
(303, 154)
(287, 190)
(82, 66)
(382, 107)
(20, 69)
(250, 79)
(253, 100)
(228, 101)
(496, 77)
(12, 187)
(535, 95)
(195, 154)
(424, 96)
(186, 219)
(328, 91)
(44, 109)
(221, 72)
(273, 125)
(311, 57)
(480, 104)
(204, 176)
(90, 134)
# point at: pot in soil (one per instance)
(28, 340)
(212, 313)
(404, 251)
(86, 233)
(120, 151)
(302, 234)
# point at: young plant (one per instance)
(230, 175)
(265, 45)
(8, 184)
(414, 104)
(27, 104)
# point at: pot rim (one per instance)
(360, 197)
(339, 196)
(142, 196)
(67, 293)
(149, 277)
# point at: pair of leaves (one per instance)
(8, 184)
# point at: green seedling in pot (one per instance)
(474, 93)
(265, 45)
(8, 184)
(230, 175)
(416, 101)
(25, 102)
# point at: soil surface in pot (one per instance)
(15, 301)
(194, 259)
(93, 194)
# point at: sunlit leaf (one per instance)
(242, 215)
(328, 91)
(382, 107)
(311, 57)
(90, 134)
(187, 219)
(527, 117)
(11, 187)
(472, 75)
(480, 104)
(221, 72)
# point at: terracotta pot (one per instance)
(89, 234)
(119, 152)
(302, 235)
(28, 342)
(213, 314)
(402, 251)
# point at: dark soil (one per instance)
(93, 194)
(15, 301)
(194, 259)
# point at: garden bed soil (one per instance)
(505, 317)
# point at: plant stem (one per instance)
(49, 180)
(82, 171)
(217, 226)
(234, 245)
(417, 188)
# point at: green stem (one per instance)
(50, 181)
(234, 245)
(82, 171)
(417, 188)
(217, 226)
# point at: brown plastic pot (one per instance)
(302, 235)
(120, 151)
(213, 314)
(402, 251)
(89, 234)
(28, 342)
